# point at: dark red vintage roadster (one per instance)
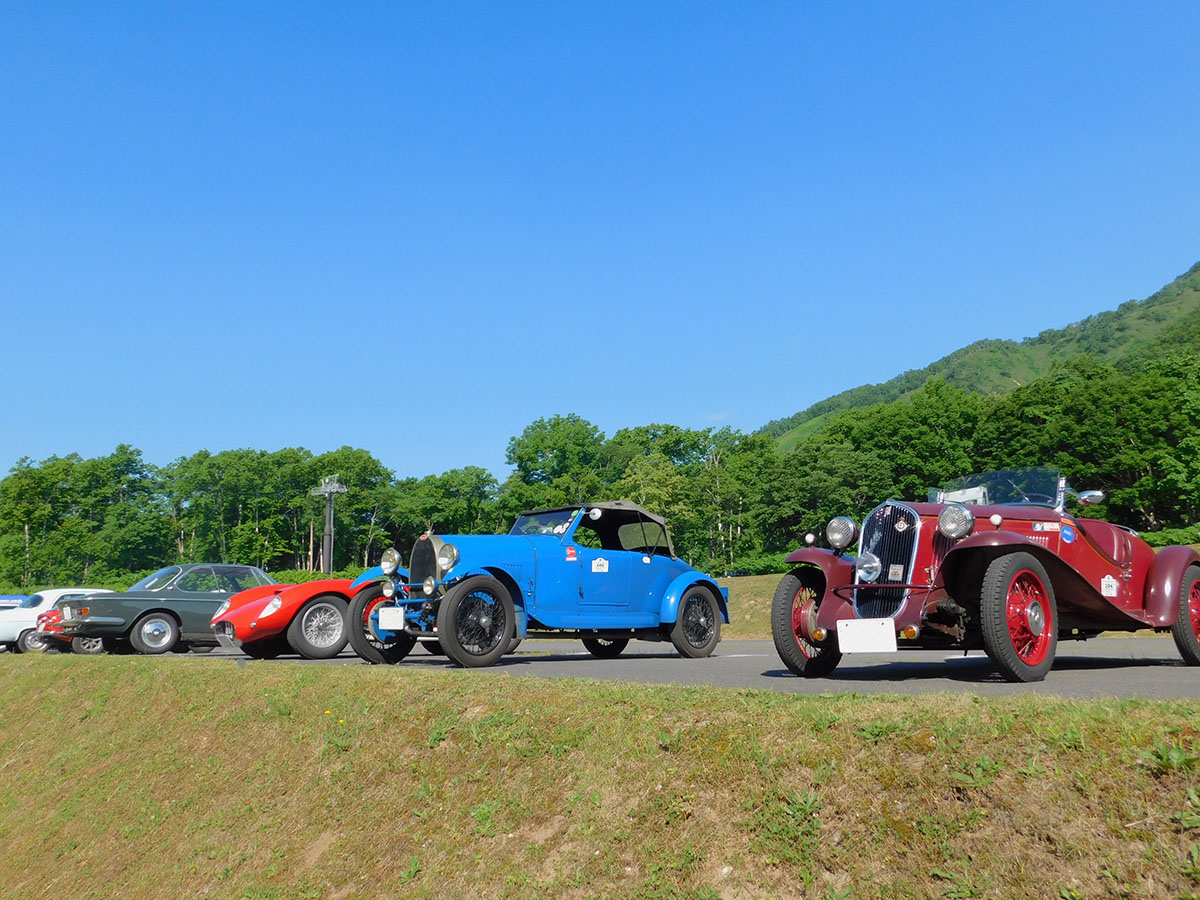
(991, 561)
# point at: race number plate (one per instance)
(391, 618)
(867, 636)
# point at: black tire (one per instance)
(476, 621)
(87, 646)
(796, 599)
(29, 641)
(318, 630)
(1018, 617)
(697, 628)
(1186, 629)
(514, 644)
(154, 633)
(605, 648)
(433, 648)
(266, 649)
(362, 636)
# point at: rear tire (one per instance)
(362, 636)
(793, 608)
(697, 628)
(87, 646)
(1186, 629)
(1018, 617)
(318, 630)
(29, 641)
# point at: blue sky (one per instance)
(417, 227)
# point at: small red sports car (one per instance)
(266, 621)
(992, 562)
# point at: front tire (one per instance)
(318, 630)
(476, 622)
(605, 648)
(1186, 629)
(793, 615)
(697, 628)
(363, 638)
(1018, 617)
(154, 634)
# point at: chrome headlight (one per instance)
(447, 557)
(868, 566)
(271, 608)
(841, 532)
(389, 589)
(955, 521)
(390, 561)
(221, 610)
(428, 586)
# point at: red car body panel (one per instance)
(49, 625)
(246, 608)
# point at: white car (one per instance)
(18, 625)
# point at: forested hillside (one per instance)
(1113, 401)
(1138, 329)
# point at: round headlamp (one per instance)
(389, 589)
(390, 561)
(447, 556)
(220, 610)
(428, 585)
(868, 566)
(955, 521)
(841, 532)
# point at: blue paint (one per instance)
(1068, 534)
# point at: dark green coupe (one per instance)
(171, 609)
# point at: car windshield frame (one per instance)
(157, 580)
(551, 522)
(1028, 486)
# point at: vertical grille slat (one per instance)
(423, 562)
(890, 532)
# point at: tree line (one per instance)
(733, 500)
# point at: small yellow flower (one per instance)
(340, 721)
(326, 712)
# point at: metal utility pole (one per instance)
(328, 488)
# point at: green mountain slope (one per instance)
(1169, 319)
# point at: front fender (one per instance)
(375, 574)
(668, 610)
(1164, 582)
(838, 570)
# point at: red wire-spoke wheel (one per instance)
(793, 618)
(1186, 630)
(1018, 617)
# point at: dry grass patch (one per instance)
(127, 777)
(749, 606)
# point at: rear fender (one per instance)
(668, 610)
(1164, 582)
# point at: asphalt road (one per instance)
(1146, 667)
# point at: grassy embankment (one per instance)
(137, 777)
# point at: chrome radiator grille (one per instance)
(890, 532)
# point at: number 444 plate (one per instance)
(867, 635)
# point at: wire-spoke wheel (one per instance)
(475, 621)
(605, 648)
(318, 630)
(697, 628)
(793, 618)
(1186, 630)
(1018, 617)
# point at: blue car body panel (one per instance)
(557, 583)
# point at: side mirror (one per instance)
(1090, 498)
(595, 513)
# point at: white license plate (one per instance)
(391, 618)
(867, 635)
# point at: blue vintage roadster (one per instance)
(605, 573)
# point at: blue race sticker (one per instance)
(1068, 534)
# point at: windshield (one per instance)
(554, 522)
(1039, 485)
(157, 580)
(31, 602)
